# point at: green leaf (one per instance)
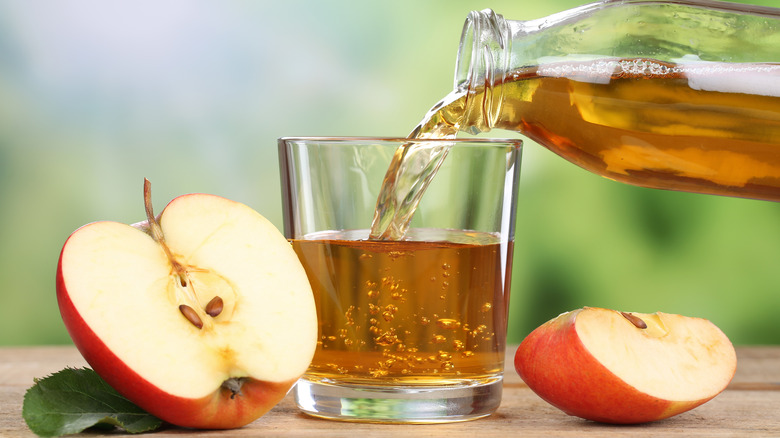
(73, 400)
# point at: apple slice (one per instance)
(619, 367)
(204, 318)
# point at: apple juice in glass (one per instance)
(413, 329)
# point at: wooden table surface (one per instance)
(749, 407)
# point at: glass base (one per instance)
(418, 404)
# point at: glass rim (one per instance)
(334, 139)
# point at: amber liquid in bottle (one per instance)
(701, 127)
(428, 311)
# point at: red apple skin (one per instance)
(217, 411)
(553, 362)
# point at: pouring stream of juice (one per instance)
(702, 127)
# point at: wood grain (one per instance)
(750, 406)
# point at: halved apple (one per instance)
(620, 367)
(203, 317)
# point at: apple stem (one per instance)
(637, 321)
(189, 312)
(157, 233)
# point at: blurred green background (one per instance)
(95, 96)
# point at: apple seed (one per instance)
(214, 307)
(191, 315)
(637, 321)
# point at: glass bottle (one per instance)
(681, 94)
(676, 94)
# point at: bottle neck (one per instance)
(484, 56)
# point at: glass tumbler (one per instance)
(411, 329)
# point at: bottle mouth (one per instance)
(466, 48)
(483, 59)
(483, 52)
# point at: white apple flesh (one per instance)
(619, 367)
(121, 293)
